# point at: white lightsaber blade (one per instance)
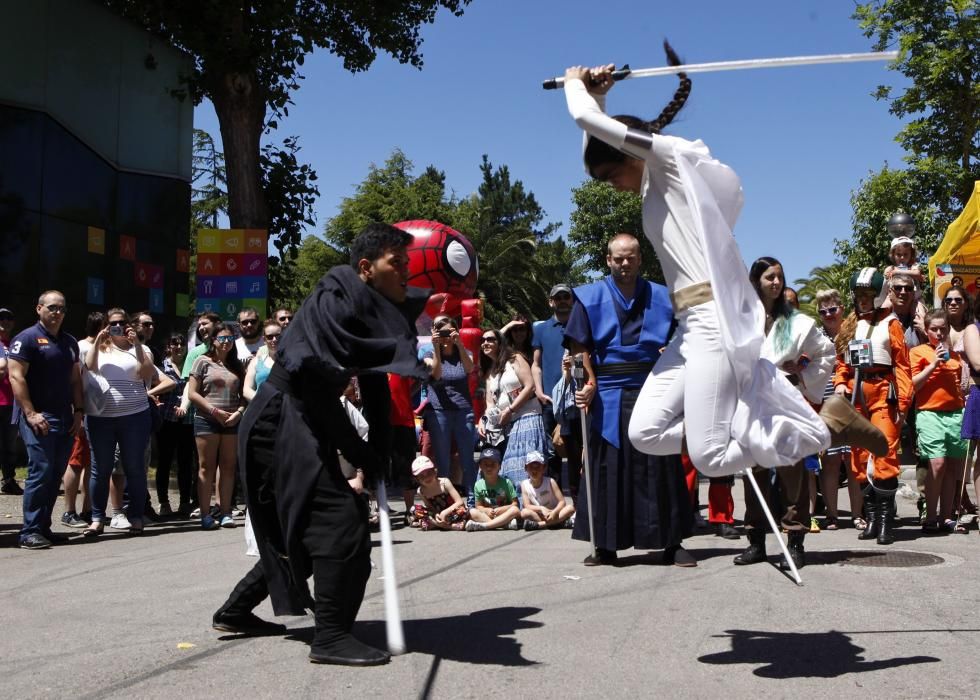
(393, 618)
(627, 74)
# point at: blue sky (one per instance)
(800, 138)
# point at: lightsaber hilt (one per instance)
(617, 75)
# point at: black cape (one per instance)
(344, 328)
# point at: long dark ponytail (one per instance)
(598, 152)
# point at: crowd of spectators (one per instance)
(89, 412)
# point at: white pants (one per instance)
(691, 391)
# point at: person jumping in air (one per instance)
(710, 394)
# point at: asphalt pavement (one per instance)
(502, 614)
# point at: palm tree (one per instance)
(833, 276)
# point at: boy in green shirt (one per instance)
(496, 497)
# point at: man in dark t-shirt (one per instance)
(44, 375)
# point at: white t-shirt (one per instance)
(247, 350)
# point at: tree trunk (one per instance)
(240, 105)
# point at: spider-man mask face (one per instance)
(441, 258)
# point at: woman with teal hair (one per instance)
(795, 344)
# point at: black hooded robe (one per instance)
(291, 432)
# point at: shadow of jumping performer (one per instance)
(802, 655)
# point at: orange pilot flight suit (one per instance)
(876, 383)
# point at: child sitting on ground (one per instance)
(496, 497)
(442, 507)
(544, 503)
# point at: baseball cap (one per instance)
(902, 240)
(534, 456)
(420, 464)
(490, 453)
(558, 289)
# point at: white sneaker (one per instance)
(570, 523)
(967, 518)
(513, 525)
(120, 522)
(196, 513)
(473, 526)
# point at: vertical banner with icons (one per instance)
(232, 266)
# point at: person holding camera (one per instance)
(125, 420)
(449, 415)
(873, 360)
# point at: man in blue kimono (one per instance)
(621, 323)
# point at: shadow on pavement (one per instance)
(484, 637)
(802, 655)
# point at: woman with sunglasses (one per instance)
(259, 368)
(517, 333)
(176, 435)
(833, 459)
(125, 420)
(449, 415)
(958, 306)
(215, 389)
(510, 395)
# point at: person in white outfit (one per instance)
(710, 394)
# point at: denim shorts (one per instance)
(206, 426)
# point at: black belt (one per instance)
(879, 371)
(281, 379)
(623, 368)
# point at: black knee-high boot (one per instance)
(338, 588)
(871, 506)
(886, 509)
(236, 614)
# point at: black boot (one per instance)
(336, 587)
(756, 551)
(886, 514)
(796, 553)
(870, 515)
(236, 614)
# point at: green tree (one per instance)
(829, 277)
(248, 58)
(600, 213)
(390, 194)
(939, 51)
(506, 225)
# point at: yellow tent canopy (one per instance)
(961, 244)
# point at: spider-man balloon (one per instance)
(441, 259)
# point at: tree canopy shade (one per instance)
(939, 51)
(248, 58)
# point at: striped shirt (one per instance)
(127, 391)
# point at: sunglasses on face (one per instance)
(952, 300)
(117, 323)
(284, 319)
(248, 322)
(272, 336)
(6, 318)
(55, 308)
(225, 339)
(491, 339)
(829, 311)
(564, 296)
(902, 288)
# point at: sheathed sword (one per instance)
(578, 374)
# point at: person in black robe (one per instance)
(307, 518)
